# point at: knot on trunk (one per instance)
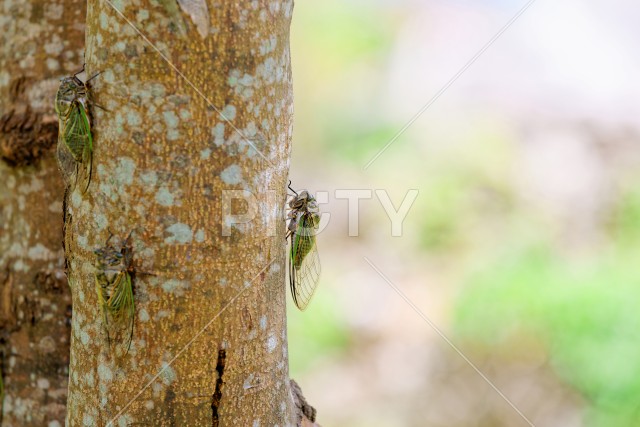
(306, 412)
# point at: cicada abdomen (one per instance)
(114, 287)
(304, 262)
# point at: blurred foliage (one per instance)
(586, 309)
(519, 279)
(319, 332)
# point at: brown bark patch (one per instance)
(26, 136)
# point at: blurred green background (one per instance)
(523, 245)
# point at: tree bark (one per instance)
(42, 41)
(209, 341)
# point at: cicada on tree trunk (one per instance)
(304, 262)
(114, 286)
(75, 143)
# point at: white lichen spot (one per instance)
(263, 322)
(100, 221)
(133, 118)
(232, 80)
(40, 252)
(43, 383)
(180, 233)
(185, 114)
(205, 154)
(168, 375)
(149, 178)
(4, 78)
(54, 423)
(90, 379)
(104, 373)
(170, 119)
(164, 197)
(125, 420)
(149, 405)
(268, 46)
(157, 388)
(55, 206)
(47, 345)
(272, 342)
(218, 134)
(125, 170)
(174, 285)
(246, 80)
(229, 112)
(232, 175)
(143, 315)
(275, 267)
(162, 314)
(256, 423)
(84, 337)
(173, 135)
(200, 236)
(83, 242)
(53, 64)
(88, 420)
(251, 129)
(119, 122)
(118, 4)
(108, 76)
(104, 20)
(142, 15)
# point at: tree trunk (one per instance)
(42, 41)
(209, 341)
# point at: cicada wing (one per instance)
(122, 309)
(76, 137)
(304, 265)
(66, 162)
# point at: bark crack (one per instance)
(217, 394)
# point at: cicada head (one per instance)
(112, 258)
(302, 201)
(109, 257)
(71, 90)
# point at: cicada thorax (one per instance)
(114, 288)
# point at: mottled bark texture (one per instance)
(209, 343)
(41, 42)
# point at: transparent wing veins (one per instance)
(304, 273)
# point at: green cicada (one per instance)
(114, 286)
(304, 262)
(75, 143)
